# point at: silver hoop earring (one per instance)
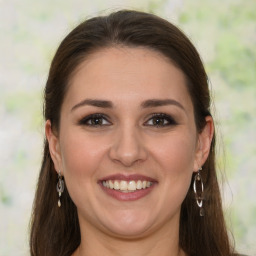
(60, 187)
(198, 187)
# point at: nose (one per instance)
(128, 147)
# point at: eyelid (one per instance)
(85, 119)
(169, 118)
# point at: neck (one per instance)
(164, 242)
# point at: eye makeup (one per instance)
(156, 120)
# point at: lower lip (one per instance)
(129, 196)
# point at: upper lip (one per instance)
(134, 177)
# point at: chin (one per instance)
(129, 225)
(131, 232)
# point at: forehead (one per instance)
(127, 75)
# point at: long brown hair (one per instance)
(56, 231)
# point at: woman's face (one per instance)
(127, 144)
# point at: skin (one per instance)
(128, 142)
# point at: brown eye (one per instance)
(95, 120)
(160, 120)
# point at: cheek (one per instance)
(81, 157)
(176, 153)
(176, 158)
(80, 154)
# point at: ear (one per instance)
(204, 143)
(54, 146)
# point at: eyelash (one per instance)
(94, 117)
(164, 117)
(166, 120)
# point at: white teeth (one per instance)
(111, 184)
(116, 185)
(126, 186)
(132, 185)
(123, 185)
(139, 184)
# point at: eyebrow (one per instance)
(95, 103)
(145, 104)
(158, 103)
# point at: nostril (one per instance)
(128, 151)
(126, 162)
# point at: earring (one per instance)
(198, 183)
(60, 187)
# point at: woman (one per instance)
(130, 134)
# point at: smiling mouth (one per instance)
(127, 186)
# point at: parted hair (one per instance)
(55, 231)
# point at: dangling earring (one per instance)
(198, 183)
(60, 187)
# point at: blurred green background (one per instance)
(224, 32)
